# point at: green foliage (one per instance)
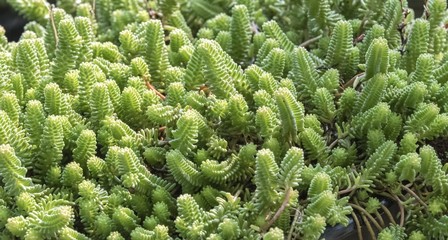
(13, 174)
(304, 73)
(51, 145)
(265, 179)
(339, 44)
(184, 171)
(377, 58)
(223, 119)
(240, 34)
(431, 169)
(378, 162)
(37, 10)
(155, 50)
(417, 43)
(67, 50)
(218, 75)
(34, 120)
(186, 134)
(392, 17)
(85, 148)
(32, 61)
(274, 31)
(314, 145)
(392, 232)
(371, 94)
(291, 114)
(408, 167)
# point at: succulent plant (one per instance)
(224, 119)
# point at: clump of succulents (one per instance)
(224, 119)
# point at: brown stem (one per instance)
(296, 218)
(310, 41)
(93, 8)
(279, 211)
(237, 194)
(389, 215)
(401, 214)
(53, 26)
(377, 225)
(332, 144)
(419, 192)
(358, 226)
(414, 195)
(400, 205)
(351, 81)
(385, 194)
(203, 88)
(378, 216)
(347, 190)
(369, 227)
(151, 87)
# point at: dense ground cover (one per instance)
(128, 119)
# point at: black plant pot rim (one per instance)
(349, 232)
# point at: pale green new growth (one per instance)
(224, 119)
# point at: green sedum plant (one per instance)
(224, 119)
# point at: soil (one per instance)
(441, 146)
(12, 22)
